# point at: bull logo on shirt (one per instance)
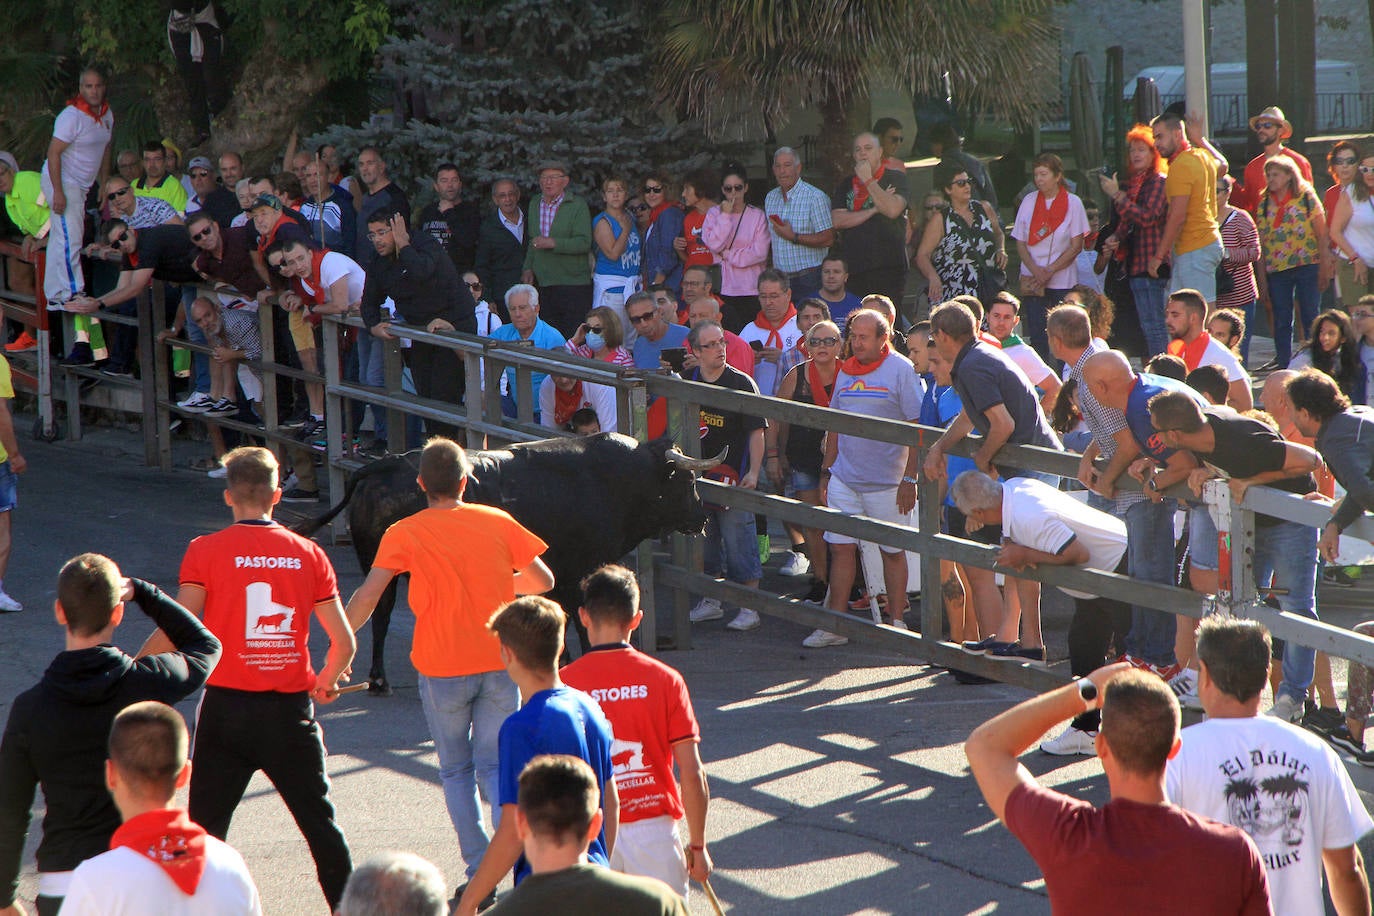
(263, 617)
(627, 757)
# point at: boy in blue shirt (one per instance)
(552, 719)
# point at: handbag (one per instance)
(991, 281)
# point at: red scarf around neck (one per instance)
(565, 404)
(861, 188)
(169, 839)
(853, 367)
(1281, 202)
(819, 396)
(774, 338)
(656, 212)
(80, 104)
(1046, 219)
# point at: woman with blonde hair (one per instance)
(1292, 232)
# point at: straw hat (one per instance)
(1274, 113)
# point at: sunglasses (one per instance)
(1262, 125)
(120, 193)
(204, 233)
(474, 286)
(1344, 160)
(824, 342)
(200, 173)
(639, 208)
(962, 182)
(640, 319)
(653, 189)
(121, 238)
(594, 328)
(729, 188)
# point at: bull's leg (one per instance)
(381, 622)
(569, 600)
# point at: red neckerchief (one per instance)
(819, 396)
(1282, 202)
(774, 338)
(1191, 353)
(81, 104)
(657, 211)
(169, 839)
(853, 367)
(566, 403)
(861, 187)
(1044, 220)
(266, 240)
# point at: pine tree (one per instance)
(524, 81)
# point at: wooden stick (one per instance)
(711, 895)
(353, 688)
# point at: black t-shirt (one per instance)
(455, 229)
(880, 242)
(1246, 447)
(168, 251)
(222, 206)
(728, 429)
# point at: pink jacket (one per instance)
(741, 254)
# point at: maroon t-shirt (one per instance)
(1127, 857)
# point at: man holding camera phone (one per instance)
(655, 335)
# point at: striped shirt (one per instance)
(1104, 423)
(807, 209)
(1240, 239)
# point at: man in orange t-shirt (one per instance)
(465, 561)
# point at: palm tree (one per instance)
(733, 62)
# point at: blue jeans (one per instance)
(200, 363)
(1288, 552)
(465, 716)
(1034, 310)
(1150, 294)
(371, 372)
(1248, 310)
(732, 545)
(1298, 283)
(1150, 549)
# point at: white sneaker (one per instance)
(8, 604)
(1285, 708)
(218, 473)
(706, 609)
(796, 565)
(291, 482)
(1070, 742)
(898, 623)
(1184, 686)
(197, 402)
(821, 639)
(745, 620)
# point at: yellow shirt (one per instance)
(6, 392)
(1193, 174)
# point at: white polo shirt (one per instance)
(87, 141)
(1039, 516)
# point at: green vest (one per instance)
(170, 190)
(26, 205)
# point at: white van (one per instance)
(1340, 103)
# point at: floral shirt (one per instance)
(1287, 234)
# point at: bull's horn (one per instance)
(695, 464)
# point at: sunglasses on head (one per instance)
(728, 188)
(120, 193)
(204, 233)
(641, 318)
(653, 189)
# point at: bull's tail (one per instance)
(309, 526)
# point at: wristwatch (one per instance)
(1088, 691)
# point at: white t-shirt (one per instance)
(766, 373)
(892, 391)
(1037, 515)
(333, 266)
(487, 320)
(600, 398)
(87, 141)
(1052, 247)
(122, 882)
(1029, 362)
(1217, 355)
(1284, 787)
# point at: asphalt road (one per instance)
(838, 781)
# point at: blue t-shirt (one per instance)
(557, 721)
(545, 337)
(628, 265)
(839, 311)
(1138, 413)
(948, 406)
(648, 352)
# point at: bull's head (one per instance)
(679, 507)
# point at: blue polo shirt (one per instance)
(648, 352)
(545, 337)
(1138, 413)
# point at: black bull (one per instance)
(592, 500)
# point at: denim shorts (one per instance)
(9, 487)
(1197, 270)
(1203, 552)
(800, 481)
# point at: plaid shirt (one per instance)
(807, 208)
(1143, 217)
(548, 209)
(1104, 423)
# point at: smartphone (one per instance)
(757, 345)
(674, 356)
(776, 219)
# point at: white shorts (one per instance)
(652, 848)
(880, 505)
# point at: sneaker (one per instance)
(196, 402)
(1347, 745)
(706, 609)
(897, 623)
(1070, 742)
(861, 604)
(173, 424)
(8, 605)
(1285, 708)
(218, 473)
(1338, 577)
(1323, 720)
(822, 639)
(24, 343)
(1184, 686)
(816, 594)
(745, 620)
(983, 645)
(765, 548)
(797, 565)
(80, 357)
(221, 408)
(296, 420)
(299, 495)
(1014, 653)
(117, 372)
(311, 429)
